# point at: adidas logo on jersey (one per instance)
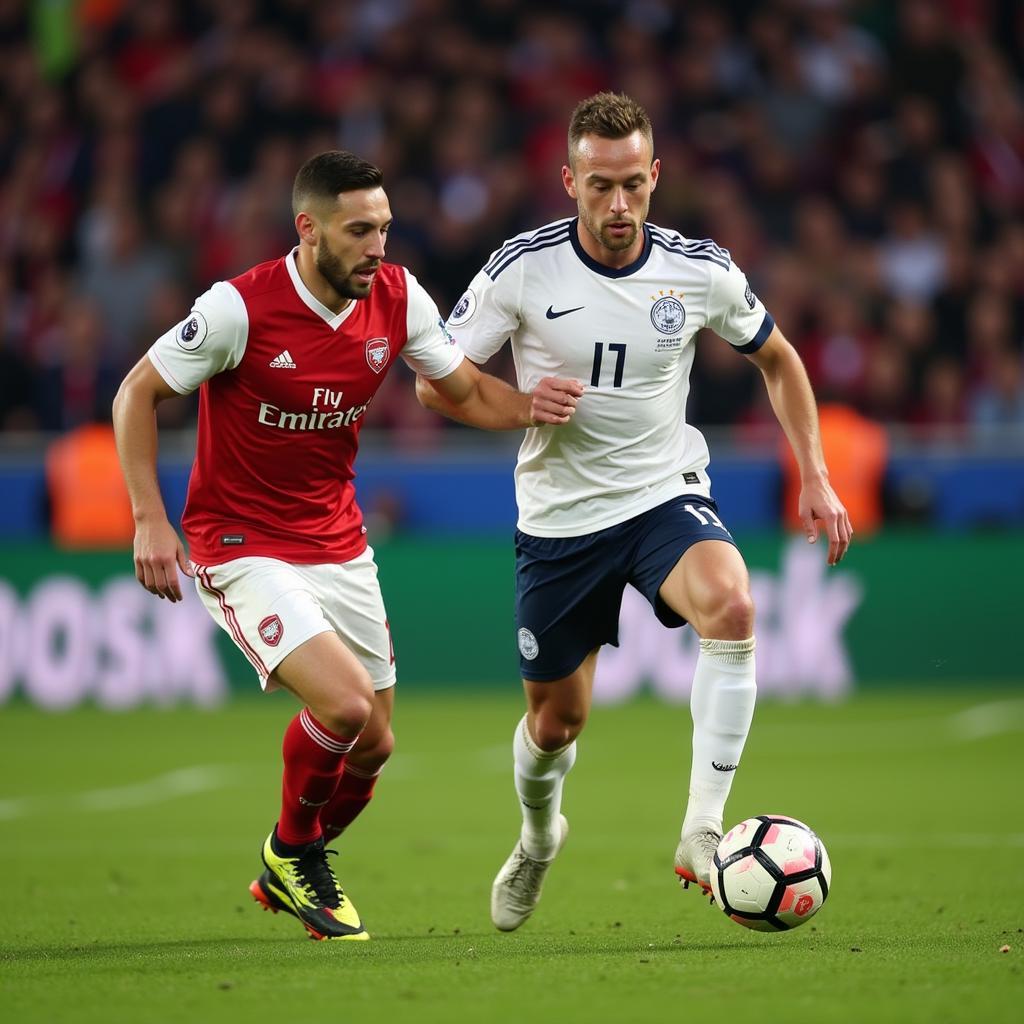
(283, 362)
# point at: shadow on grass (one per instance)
(412, 948)
(133, 948)
(487, 944)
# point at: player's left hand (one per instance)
(553, 400)
(820, 504)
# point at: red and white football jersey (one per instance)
(284, 384)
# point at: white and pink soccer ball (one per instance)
(771, 873)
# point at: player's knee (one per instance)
(376, 755)
(558, 728)
(347, 710)
(732, 617)
(345, 718)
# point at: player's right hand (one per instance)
(159, 554)
(554, 400)
(819, 503)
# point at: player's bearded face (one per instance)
(349, 247)
(341, 276)
(612, 181)
(614, 213)
(616, 232)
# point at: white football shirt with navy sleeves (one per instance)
(628, 336)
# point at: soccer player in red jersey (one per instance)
(287, 358)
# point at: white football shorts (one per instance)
(269, 608)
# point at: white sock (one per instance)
(539, 775)
(722, 705)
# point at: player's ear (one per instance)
(569, 181)
(306, 228)
(655, 171)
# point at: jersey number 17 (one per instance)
(620, 363)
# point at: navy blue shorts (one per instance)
(569, 589)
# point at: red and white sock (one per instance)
(314, 758)
(354, 792)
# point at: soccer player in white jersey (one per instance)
(622, 494)
(287, 357)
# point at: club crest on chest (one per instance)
(377, 352)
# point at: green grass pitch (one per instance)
(127, 842)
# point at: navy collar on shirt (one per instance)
(600, 268)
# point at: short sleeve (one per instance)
(487, 314)
(735, 313)
(210, 340)
(429, 350)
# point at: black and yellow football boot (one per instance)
(307, 882)
(266, 891)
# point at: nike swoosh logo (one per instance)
(552, 315)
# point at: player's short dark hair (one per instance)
(323, 176)
(608, 115)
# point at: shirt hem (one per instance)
(630, 511)
(165, 372)
(455, 363)
(320, 556)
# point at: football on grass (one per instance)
(771, 873)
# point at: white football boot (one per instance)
(695, 857)
(516, 889)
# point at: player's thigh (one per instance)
(659, 541)
(266, 606)
(558, 709)
(568, 595)
(710, 587)
(350, 596)
(324, 674)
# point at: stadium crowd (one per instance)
(863, 160)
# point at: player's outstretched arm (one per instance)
(158, 549)
(793, 401)
(485, 401)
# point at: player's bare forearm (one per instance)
(792, 399)
(134, 416)
(158, 549)
(432, 399)
(467, 406)
(484, 401)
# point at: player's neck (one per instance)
(320, 288)
(611, 258)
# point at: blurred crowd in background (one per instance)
(863, 161)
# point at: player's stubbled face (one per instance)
(351, 244)
(612, 180)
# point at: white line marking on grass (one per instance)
(11, 809)
(492, 760)
(990, 719)
(403, 766)
(180, 782)
(497, 758)
(979, 722)
(929, 840)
